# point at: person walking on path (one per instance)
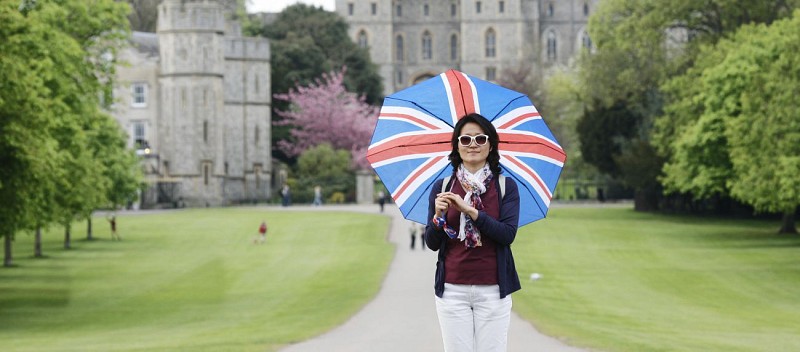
(286, 196)
(412, 230)
(317, 195)
(262, 233)
(472, 226)
(381, 200)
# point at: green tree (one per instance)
(327, 167)
(305, 42)
(54, 71)
(640, 44)
(747, 107)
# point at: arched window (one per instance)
(427, 46)
(454, 47)
(399, 49)
(491, 43)
(550, 10)
(586, 9)
(551, 45)
(425, 9)
(362, 39)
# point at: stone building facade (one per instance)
(195, 100)
(412, 40)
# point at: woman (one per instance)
(473, 223)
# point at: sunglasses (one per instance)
(479, 140)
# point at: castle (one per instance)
(195, 101)
(195, 98)
(412, 40)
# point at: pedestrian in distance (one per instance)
(381, 200)
(317, 195)
(412, 230)
(262, 233)
(286, 195)
(112, 220)
(473, 221)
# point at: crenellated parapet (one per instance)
(191, 15)
(246, 48)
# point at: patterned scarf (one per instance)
(474, 185)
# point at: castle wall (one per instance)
(520, 26)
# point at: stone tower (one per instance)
(191, 35)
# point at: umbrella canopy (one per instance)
(411, 142)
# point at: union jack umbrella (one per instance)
(411, 142)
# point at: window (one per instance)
(491, 41)
(206, 170)
(362, 39)
(139, 91)
(477, 7)
(399, 10)
(399, 49)
(257, 136)
(425, 9)
(501, 6)
(374, 8)
(205, 131)
(491, 73)
(427, 47)
(454, 47)
(551, 45)
(350, 8)
(399, 77)
(139, 135)
(453, 10)
(550, 10)
(586, 9)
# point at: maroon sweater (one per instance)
(472, 266)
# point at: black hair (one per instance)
(494, 155)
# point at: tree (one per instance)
(744, 92)
(640, 44)
(324, 166)
(54, 72)
(305, 42)
(325, 112)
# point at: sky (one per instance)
(278, 5)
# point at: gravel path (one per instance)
(402, 317)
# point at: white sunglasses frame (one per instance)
(473, 140)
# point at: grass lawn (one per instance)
(617, 280)
(193, 281)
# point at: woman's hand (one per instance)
(459, 203)
(440, 206)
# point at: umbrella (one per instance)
(411, 141)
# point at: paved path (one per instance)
(402, 317)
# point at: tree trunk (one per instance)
(67, 239)
(7, 260)
(645, 200)
(788, 222)
(89, 228)
(37, 243)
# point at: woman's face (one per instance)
(473, 156)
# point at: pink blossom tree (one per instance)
(325, 112)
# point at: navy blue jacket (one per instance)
(502, 231)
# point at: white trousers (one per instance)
(473, 318)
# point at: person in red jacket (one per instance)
(262, 233)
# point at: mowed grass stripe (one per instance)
(617, 280)
(192, 280)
